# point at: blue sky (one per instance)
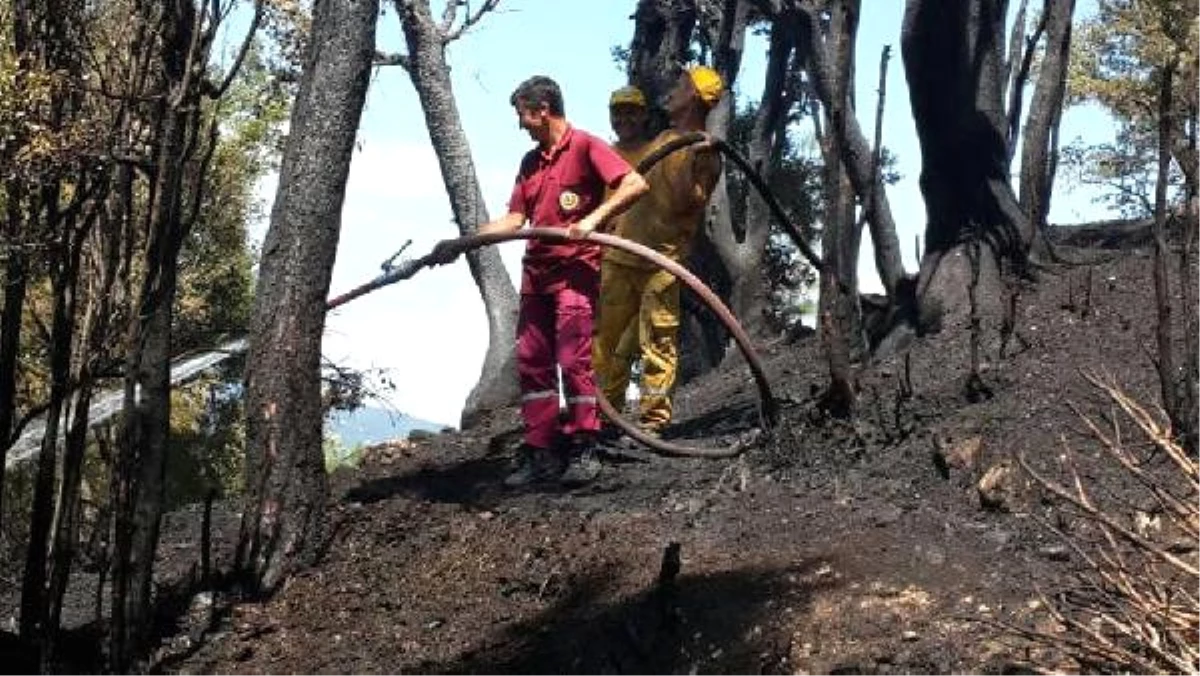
(430, 331)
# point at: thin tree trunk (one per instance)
(837, 306)
(426, 65)
(146, 427)
(854, 151)
(1168, 379)
(33, 588)
(284, 524)
(749, 286)
(92, 337)
(1016, 73)
(15, 281)
(1045, 112)
(141, 464)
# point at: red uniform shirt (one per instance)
(558, 188)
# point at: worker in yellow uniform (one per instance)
(629, 118)
(633, 290)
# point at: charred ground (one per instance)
(836, 547)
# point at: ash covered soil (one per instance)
(834, 547)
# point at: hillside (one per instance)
(832, 548)
(375, 424)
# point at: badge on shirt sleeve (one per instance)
(568, 200)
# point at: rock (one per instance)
(961, 455)
(996, 488)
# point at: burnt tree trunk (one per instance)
(53, 37)
(93, 335)
(954, 62)
(426, 66)
(142, 455)
(662, 35)
(33, 624)
(181, 40)
(1039, 144)
(284, 524)
(15, 284)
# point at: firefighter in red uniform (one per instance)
(561, 183)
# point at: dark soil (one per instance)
(834, 547)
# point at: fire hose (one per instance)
(768, 409)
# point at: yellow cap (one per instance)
(708, 84)
(627, 96)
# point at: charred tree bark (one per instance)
(93, 335)
(146, 427)
(1039, 144)
(953, 59)
(430, 74)
(52, 36)
(180, 42)
(284, 525)
(62, 330)
(662, 35)
(15, 284)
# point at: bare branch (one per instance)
(1017, 90)
(449, 34)
(392, 59)
(249, 40)
(449, 13)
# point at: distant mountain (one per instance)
(372, 425)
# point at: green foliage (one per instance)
(1116, 60)
(1124, 170)
(337, 455)
(208, 439)
(287, 24)
(215, 282)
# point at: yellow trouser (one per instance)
(651, 298)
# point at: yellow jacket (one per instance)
(667, 216)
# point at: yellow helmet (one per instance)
(708, 84)
(627, 96)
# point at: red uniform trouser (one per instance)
(555, 329)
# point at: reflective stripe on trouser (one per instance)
(555, 329)
(652, 296)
